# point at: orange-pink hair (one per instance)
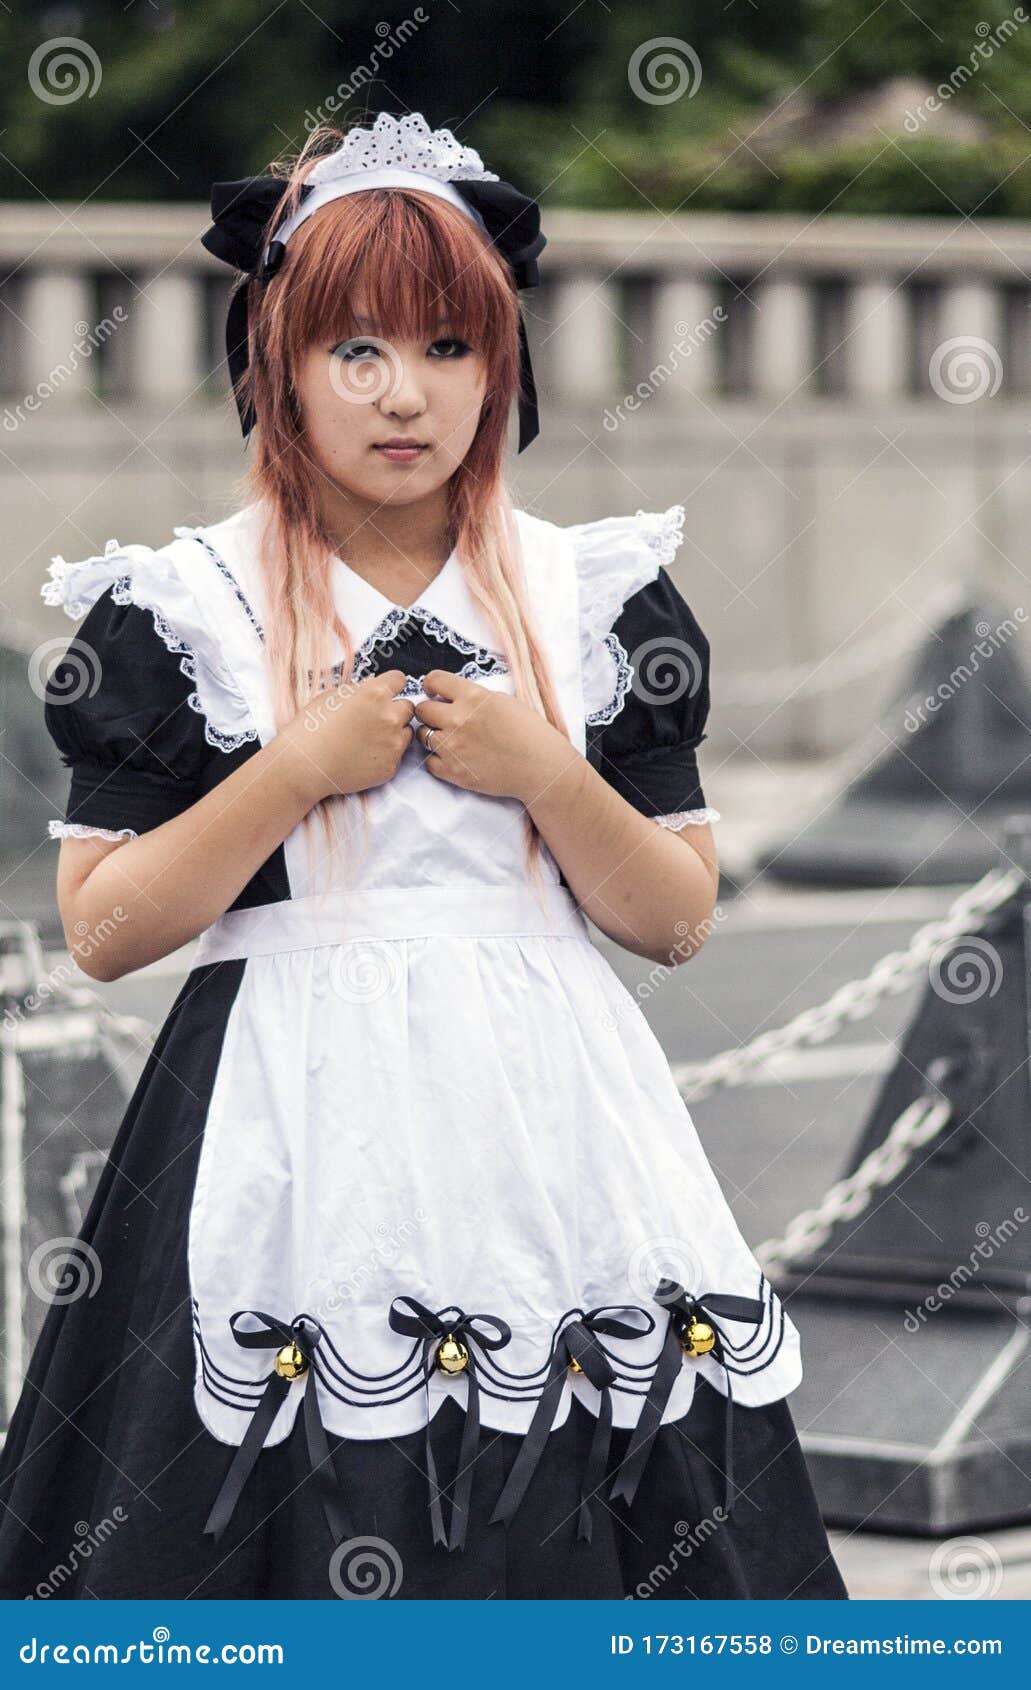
(406, 252)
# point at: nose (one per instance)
(405, 397)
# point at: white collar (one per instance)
(361, 605)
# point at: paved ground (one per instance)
(775, 1145)
(997, 1565)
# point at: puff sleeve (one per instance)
(644, 665)
(649, 750)
(117, 707)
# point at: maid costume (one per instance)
(410, 1256)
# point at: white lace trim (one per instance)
(624, 675)
(482, 661)
(409, 143)
(615, 558)
(683, 818)
(148, 578)
(79, 830)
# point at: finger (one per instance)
(391, 680)
(434, 712)
(446, 683)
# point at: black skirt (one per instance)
(107, 1475)
(127, 1520)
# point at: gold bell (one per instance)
(452, 1356)
(574, 1366)
(290, 1362)
(699, 1338)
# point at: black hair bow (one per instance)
(305, 1333)
(416, 1321)
(241, 213)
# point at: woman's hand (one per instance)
(488, 741)
(350, 737)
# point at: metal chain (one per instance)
(854, 1001)
(918, 1124)
(850, 1003)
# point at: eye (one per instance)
(452, 348)
(349, 351)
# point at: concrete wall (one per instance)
(842, 406)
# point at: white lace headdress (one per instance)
(394, 153)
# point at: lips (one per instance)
(401, 450)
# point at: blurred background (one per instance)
(786, 284)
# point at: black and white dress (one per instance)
(407, 1237)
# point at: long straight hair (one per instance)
(407, 252)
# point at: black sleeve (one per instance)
(648, 752)
(117, 709)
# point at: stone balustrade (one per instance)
(840, 402)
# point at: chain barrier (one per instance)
(921, 1122)
(852, 1002)
(856, 1000)
(918, 1124)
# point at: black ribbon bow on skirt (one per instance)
(306, 1334)
(242, 211)
(683, 1309)
(416, 1321)
(577, 1342)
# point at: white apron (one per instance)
(433, 1091)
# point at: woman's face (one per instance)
(361, 395)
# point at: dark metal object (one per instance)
(954, 763)
(915, 1410)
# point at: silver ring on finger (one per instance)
(429, 735)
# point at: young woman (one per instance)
(407, 1273)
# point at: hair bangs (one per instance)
(418, 266)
